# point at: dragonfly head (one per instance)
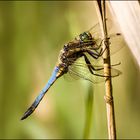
(85, 36)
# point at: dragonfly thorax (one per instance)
(66, 56)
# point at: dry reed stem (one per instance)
(100, 8)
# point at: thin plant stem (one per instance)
(101, 11)
(89, 113)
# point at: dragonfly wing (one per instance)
(70, 76)
(116, 43)
(116, 40)
(80, 70)
(96, 30)
(89, 77)
(114, 72)
(99, 70)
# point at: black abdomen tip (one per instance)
(28, 113)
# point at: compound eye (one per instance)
(83, 36)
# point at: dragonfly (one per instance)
(84, 45)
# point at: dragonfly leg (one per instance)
(97, 46)
(93, 54)
(100, 44)
(100, 53)
(105, 42)
(97, 54)
(90, 66)
(88, 63)
(92, 69)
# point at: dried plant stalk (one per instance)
(100, 7)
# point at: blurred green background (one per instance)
(31, 36)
